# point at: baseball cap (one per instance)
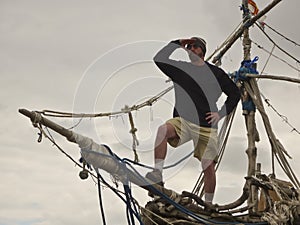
(201, 42)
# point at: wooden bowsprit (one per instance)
(95, 154)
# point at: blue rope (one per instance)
(180, 207)
(120, 196)
(247, 66)
(100, 200)
(165, 167)
(130, 212)
(153, 189)
(159, 193)
(183, 209)
(130, 202)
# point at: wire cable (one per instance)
(281, 49)
(288, 39)
(284, 118)
(275, 56)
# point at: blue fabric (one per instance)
(247, 66)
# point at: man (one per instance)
(198, 86)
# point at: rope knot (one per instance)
(133, 130)
(37, 119)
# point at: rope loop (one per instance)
(37, 119)
(133, 131)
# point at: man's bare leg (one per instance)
(209, 179)
(165, 132)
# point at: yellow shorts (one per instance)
(205, 139)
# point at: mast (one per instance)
(252, 132)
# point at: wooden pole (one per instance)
(250, 118)
(273, 77)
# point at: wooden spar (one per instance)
(36, 117)
(109, 164)
(277, 147)
(273, 77)
(240, 31)
(250, 118)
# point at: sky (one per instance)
(96, 56)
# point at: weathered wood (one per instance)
(273, 77)
(37, 118)
(277, 148)
(252, 155)
(216, 207)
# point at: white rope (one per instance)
(148, 102)
(282, 213)
(133, 131)
(156, 215)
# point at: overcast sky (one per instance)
(96, 56)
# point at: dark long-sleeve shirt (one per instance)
(197, 88)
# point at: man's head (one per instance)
(198, 47)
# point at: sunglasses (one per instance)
(190, 46)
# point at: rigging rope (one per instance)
(284, 118)
(223, 138)
(281, 49)
(136, 214)
(199, 218)
(267, 61)
(126, 110)
(100, 200)
(288, 39)
(275, 56)
(148, 102)
(133, 131)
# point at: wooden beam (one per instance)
(273, 77)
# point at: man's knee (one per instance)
(208, 165)
(166, 131)
(162, 132)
